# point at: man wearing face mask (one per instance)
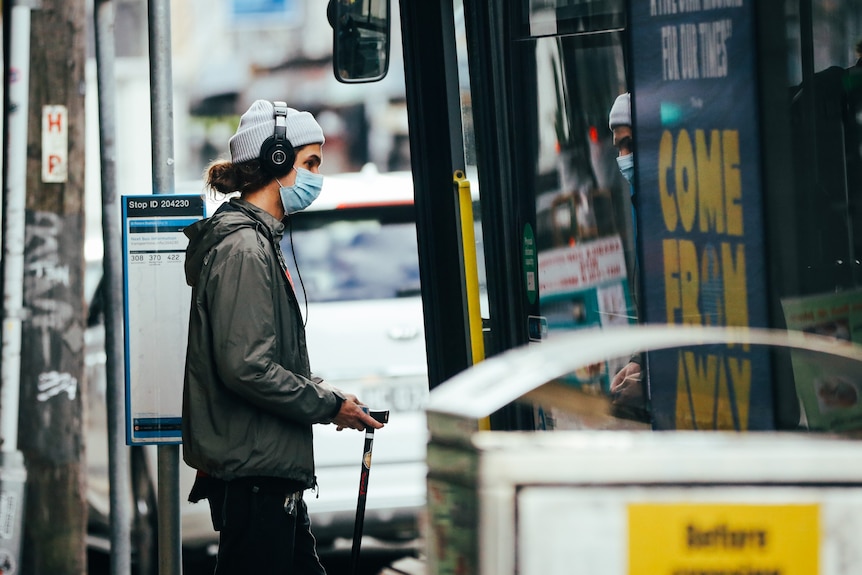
(627, 391)
(249, 398)
(620, 122)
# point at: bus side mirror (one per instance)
(360, 39)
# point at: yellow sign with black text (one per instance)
(723, 539)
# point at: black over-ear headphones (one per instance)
(276, 152)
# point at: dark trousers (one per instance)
(259, 536)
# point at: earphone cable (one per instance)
(298, 273)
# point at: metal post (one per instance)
(170, 544)
(13, 229)
(118, 456)
(161, 118)
(13, 475)
(161, 101)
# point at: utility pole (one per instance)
(52, 336)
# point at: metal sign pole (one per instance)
(161, 113)
(118, 454)
(13, 475)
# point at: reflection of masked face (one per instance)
(627, 166)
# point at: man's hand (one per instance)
(626, 388)
(351, 415)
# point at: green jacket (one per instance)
(249, 399)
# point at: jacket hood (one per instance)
(230, 217)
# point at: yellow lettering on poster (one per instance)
(700, 182)
(696, 384)
(665, 168)
(713, 391)
(723, 539)
(682, 282)
(672, 284)
(712, 294)
(740, 375)
(690, 279)
(735, 284)
(684, 406)
(685, 177)
(712, 216)
(732, 182)
(705, 274)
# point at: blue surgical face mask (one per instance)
(627, 166)
(304, 190)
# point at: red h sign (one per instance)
(55, 144)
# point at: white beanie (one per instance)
(258, 124)
(621, 111)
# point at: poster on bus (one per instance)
(699, 212)
(584, 286)
(156, 301)
(829, 394)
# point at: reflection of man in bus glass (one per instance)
(627, 392)
(620, 121)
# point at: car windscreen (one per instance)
(353, 253)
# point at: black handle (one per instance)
(381, 416)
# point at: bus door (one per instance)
(517, 94)
(544, 77)
(568, 67)
(514, 96)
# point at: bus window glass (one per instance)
(584, 219)
(472, 173)
(580, 193)
(825, 102)
(552, 17)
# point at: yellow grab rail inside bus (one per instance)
(471, 272)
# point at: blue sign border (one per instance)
(163, 213)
